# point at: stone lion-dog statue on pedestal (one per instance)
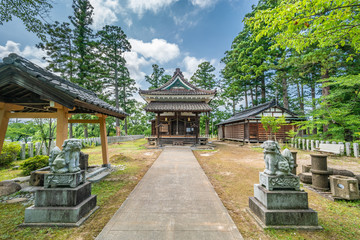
(67, 159)
(277, 163)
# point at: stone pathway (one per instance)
(174, 200)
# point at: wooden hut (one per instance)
(177, 105)
(246, 125)
(29, 91)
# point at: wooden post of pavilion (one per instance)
(4, 120)
(104, 142)
(61, 126)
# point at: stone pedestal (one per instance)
(273, 182)
(320, 173)
(294, 155)
(63, 207)
(64, 179)
(285, 207)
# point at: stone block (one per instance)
(273, 182)
(306, 177)
(31, 149)
(306, 168)
(344, 187)
(84, 161)
(37, 178)
(291, 218)
(62, 197)
(59, 214)
(9, 187)
(23, 151)
(281, 199)
(64, 179)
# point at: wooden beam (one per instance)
(61, 127)
(104, 143)
(31, 115)
(4, 120)
(83, 121)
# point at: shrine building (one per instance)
(177, 105)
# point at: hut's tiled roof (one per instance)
(248, 113)
(81, 96)
(178, 107)
(189, 90)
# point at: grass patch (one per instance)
(234, 170)
(111, 193)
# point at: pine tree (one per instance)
(157, 78)
(112, 44)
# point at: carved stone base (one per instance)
(273, 182)
(72, 180)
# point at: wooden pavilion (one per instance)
(29, 91)
(177, 105)
(246, 126)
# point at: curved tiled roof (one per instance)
(178, 107)
(173, 91)
(254, 111)
(82, 97)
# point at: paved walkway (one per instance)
(174, 200)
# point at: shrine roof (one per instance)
(178, 107)
(177, 85)
(28, 82)
(251, 112)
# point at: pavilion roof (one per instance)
(178, 107)
(177, 85)
(25, 83)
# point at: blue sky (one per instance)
(170, 33)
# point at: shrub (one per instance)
(34, 163)
(9, 153)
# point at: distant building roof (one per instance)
(33, 81)
(178, 85)
(252, 112)
(178, 107)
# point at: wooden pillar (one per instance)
(158, 129)
(185, 126)
(197, 128)
(104, 142)
(4, 120)
(177, 123)
(61, 126)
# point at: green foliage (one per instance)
(32, 13)
(157, 78)
(299, 24)
(33, 164)
(9, 153)
(272, 124)
(21, 130)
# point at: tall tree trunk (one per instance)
(256, 94)
(117, 102)
(233, 106)
(263, 89)
(325, 91)
(246, 98)
(252, 97)
(300, 96)
(207, 124)
(70, 130)
(125, 127)
(86, 134)
(285, 93)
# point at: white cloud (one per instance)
(134, 64)
(140, 6)
(203, 3)
(191, 65)
(158, 50)
(31, 53)
(106, 11)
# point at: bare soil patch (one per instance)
(234, 169)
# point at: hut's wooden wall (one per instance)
(251, 131)
(234, 131)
